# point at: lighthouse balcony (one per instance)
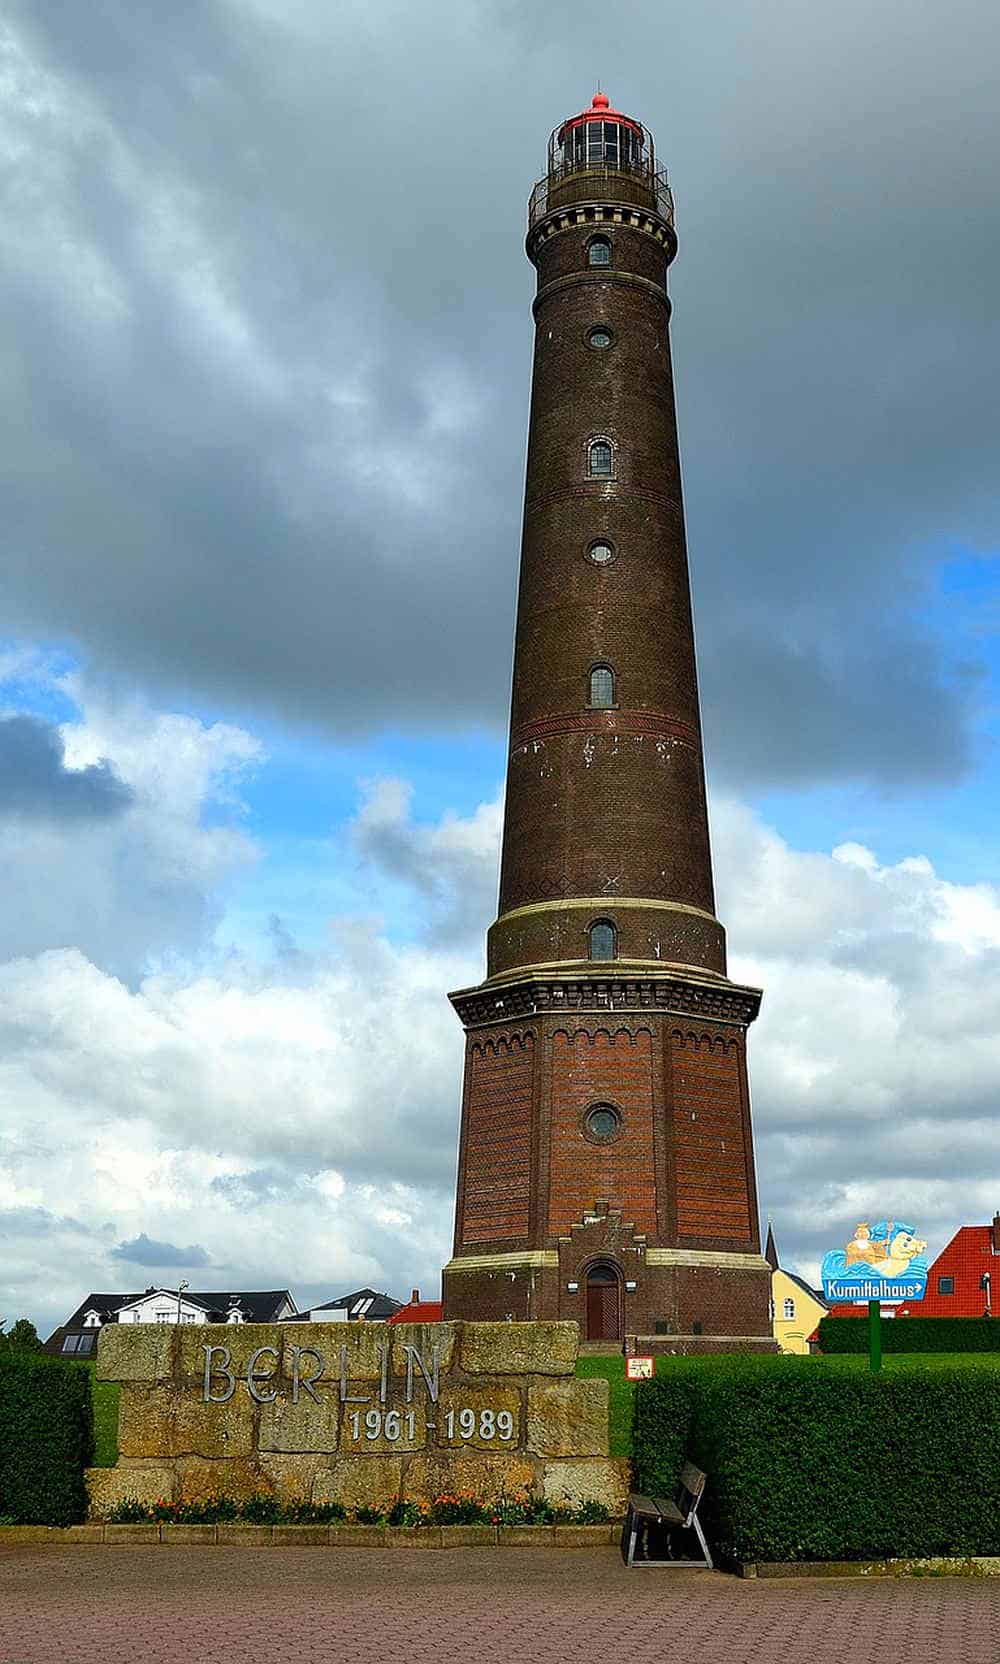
(639, 186)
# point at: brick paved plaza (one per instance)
(473, 1606)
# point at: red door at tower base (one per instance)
(603, 1305)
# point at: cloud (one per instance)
(142, 1250)
(296, 1116)
(141, 826)
(35, 783)
(279, 430)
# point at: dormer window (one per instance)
(91, 1320)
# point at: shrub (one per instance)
(46, 1439)
(815, 1460)
(466, 1509)
(912, 1334)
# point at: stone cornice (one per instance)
(713, 1000)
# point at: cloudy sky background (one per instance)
(264, 354)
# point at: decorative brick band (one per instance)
(722, 1002)
(655, 724)
(706, 1257)
(599, 214)
(531, 1259)
(596, 902)
(600, 275)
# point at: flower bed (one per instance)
(449, 1509)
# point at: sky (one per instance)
(265, 346)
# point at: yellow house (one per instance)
(795, 1307)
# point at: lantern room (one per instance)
(600, 137)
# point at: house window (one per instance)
(163, 1317)
(602, 687)
(599, 459)
(946, 1285)
(92, 1320)
(789, 1309)
(603, 939)
(598, 252)
(71, 1342)
(86, 1343)
(188, 1317)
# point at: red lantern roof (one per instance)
(600, 110)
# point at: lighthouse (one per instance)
(606, 1169)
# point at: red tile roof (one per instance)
(419, 1311)
(968, 1256)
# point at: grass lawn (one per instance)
(106, 1395)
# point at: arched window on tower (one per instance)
(599, 459)
(598, 252)
(602, 687)
(603, 940)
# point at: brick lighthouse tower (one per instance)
(606, 1163)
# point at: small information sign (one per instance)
(638, 1369)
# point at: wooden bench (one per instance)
(676, 1513)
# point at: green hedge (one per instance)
(46, 1439)
(912, 1334)
(815, 1460)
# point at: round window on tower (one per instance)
(601, 552)
(602, 1123)
(599, 336)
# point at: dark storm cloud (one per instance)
(269, 348)
(35, 783)
(143, 1250)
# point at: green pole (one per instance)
(874, 1336)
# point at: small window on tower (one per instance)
(603, 1122)
(599, 252)
(603, 939)
(599, 459)
(602, 687)
(599, 336)
(601, 553)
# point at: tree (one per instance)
(24, 1335)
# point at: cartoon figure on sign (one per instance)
(884, 1261)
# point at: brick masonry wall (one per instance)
(498, 1115)
(711, 1160)
(588, 1069)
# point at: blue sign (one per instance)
(884, 1262)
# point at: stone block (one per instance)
(136, 1352)
(409, 1419)
(485, 1475)
(81, 1534)
(305, 1426)
(360, 1481)
(414, 1536)
(358, 1536)
(468, 1536)
(362, 1344)
(240, 1340)
(183, 1536)
(107, 1487)
(215, 1431)
(479, 1397)
(199, 1477)
(145, 1420)
(568, 1418)
(603, 1479)
(244, 1536)
(291, 1477)
(131, 1534)
(299, 1536)
(526, 1536)
(423, 1337)
(585, 1536)
(519, 1348)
